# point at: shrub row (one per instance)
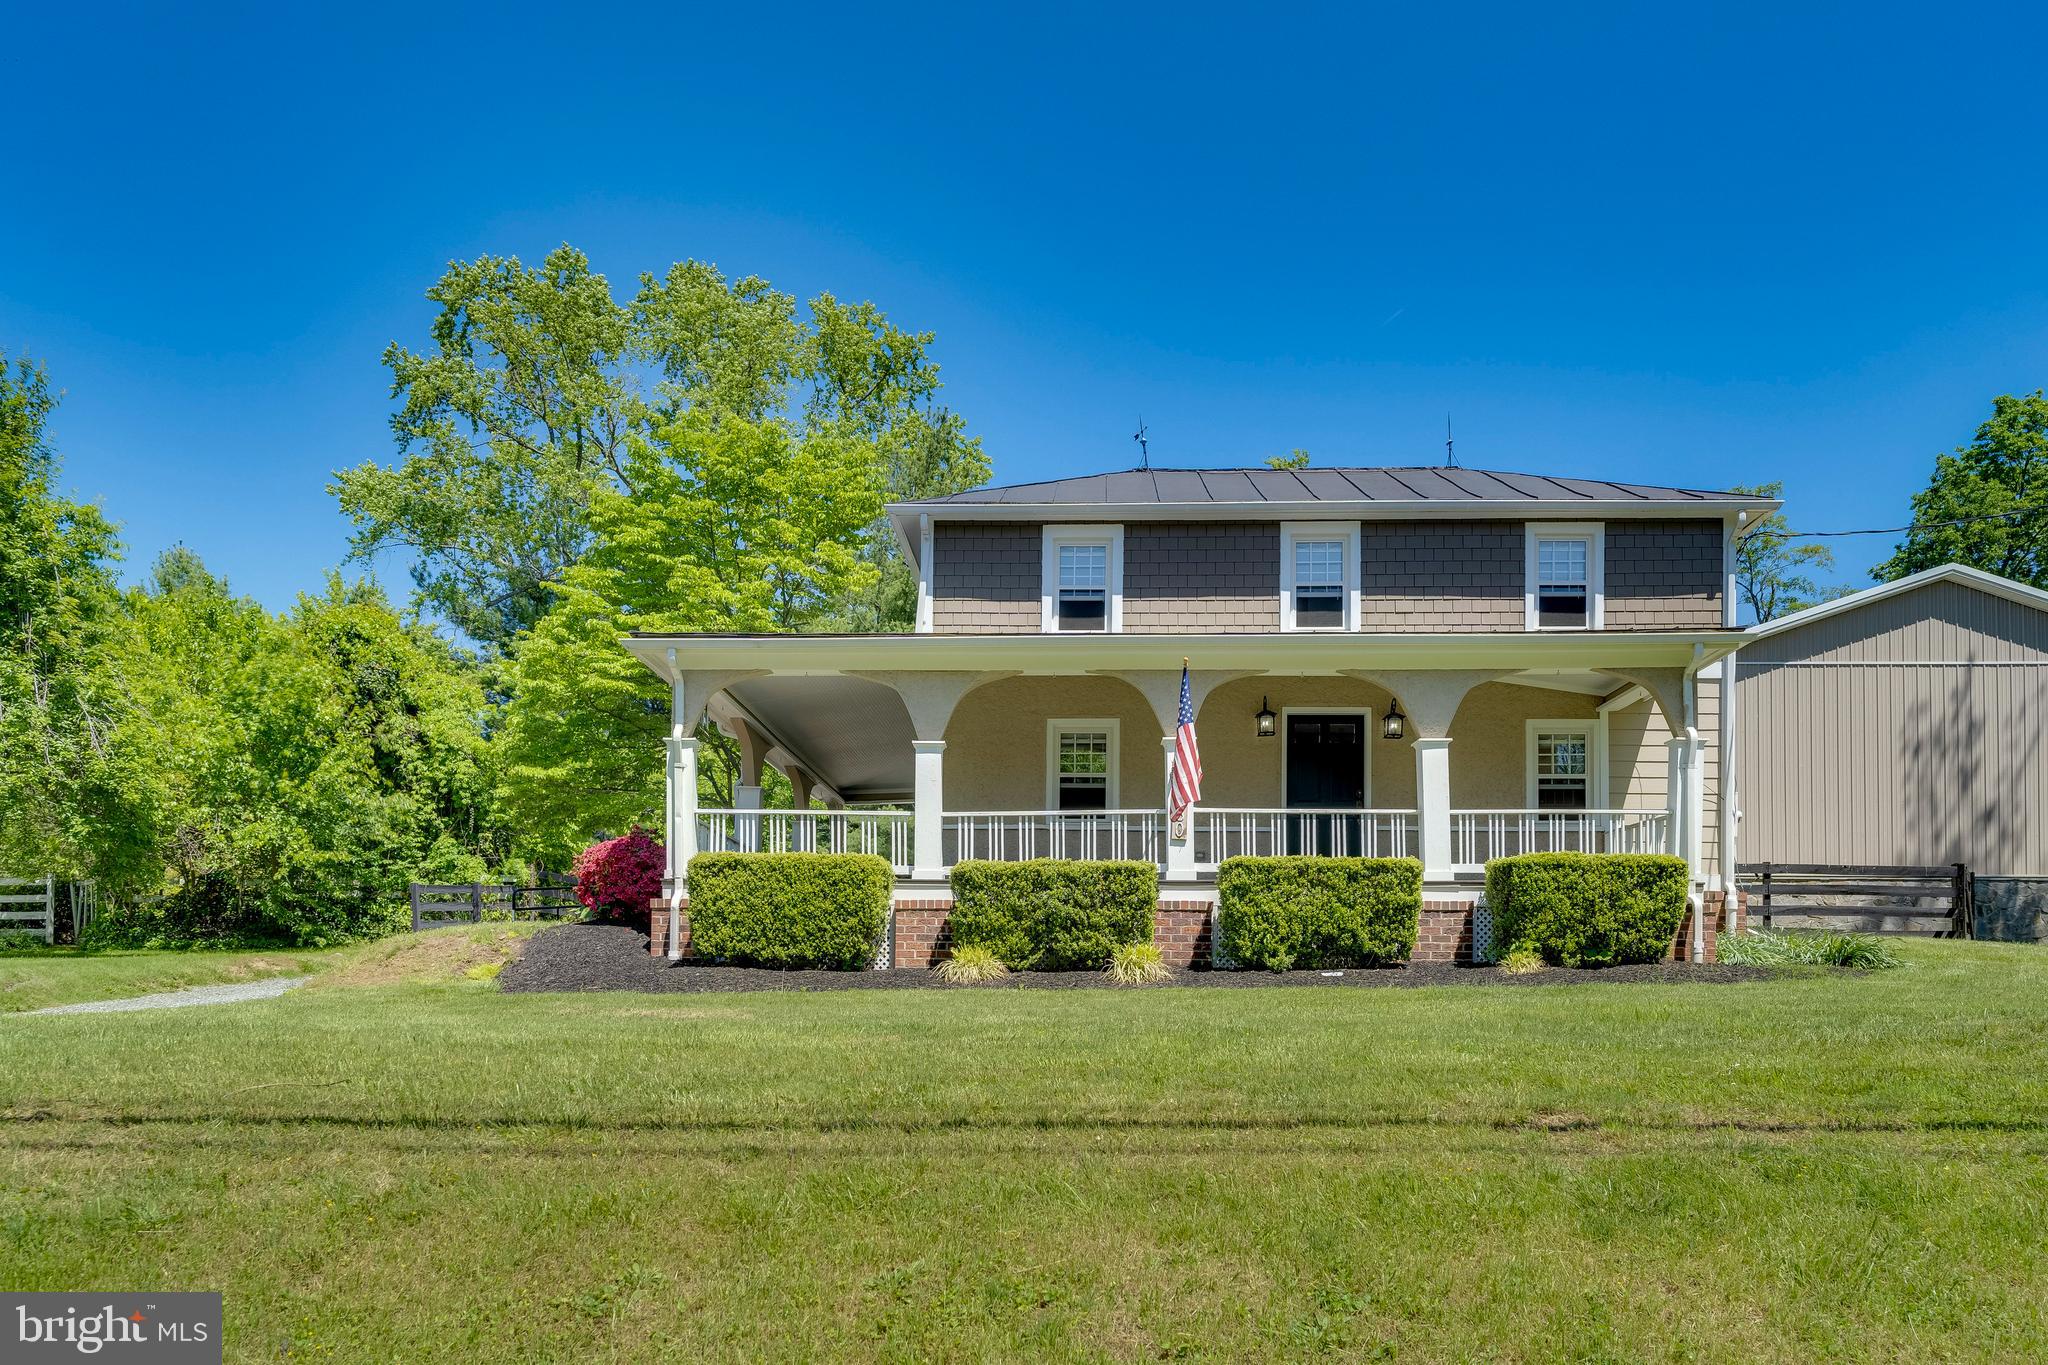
(789, 910)
(1587, 909)
(1052, 914)
(1280, 913)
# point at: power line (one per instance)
(1915, 526)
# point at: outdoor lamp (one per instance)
(1265, 720)
(1396, 724)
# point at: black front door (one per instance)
(1325, 769)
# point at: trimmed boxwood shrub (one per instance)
(1587, 909)
(789, 910)
(1053, 914)
(1278, 913)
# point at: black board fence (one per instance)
(1898, 900)
(474, 902)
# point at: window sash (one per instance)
(1084, 769)
(1564, 771)
(1081, 600)
(1564, 594)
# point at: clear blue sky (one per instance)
(1667, 245)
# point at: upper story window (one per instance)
(1319, 576)
(1083, 585)
(1562, 588)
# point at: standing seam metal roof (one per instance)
(1395, 484)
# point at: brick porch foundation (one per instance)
(920, 935)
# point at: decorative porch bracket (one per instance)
(1161, 688)
(930, 698)
(1431, 697)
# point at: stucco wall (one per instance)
(995, 742)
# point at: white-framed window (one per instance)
(1319, 575)
(1081, 764)
(1083, 579)
(1562, 582)
(1565, 765)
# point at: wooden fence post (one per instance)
(413, 894)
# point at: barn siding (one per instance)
(1906, 731)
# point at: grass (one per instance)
(1819, 1166)
(64, 976)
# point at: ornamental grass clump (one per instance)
(1136, 964)
(1866, 952)
(968, 966)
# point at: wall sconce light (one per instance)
(1266, 718)
(1396, 724)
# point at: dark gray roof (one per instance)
(1413, 484)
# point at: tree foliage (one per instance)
(1296, 458)
(301, 768)
(540, 385)
(1987, 504)
(63, 760)
(1775, 575)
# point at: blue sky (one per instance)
(1698, 246)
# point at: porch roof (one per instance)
(806, 694)
(1275, 652)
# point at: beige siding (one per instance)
(1196, 577)
(1442, 575)
(1638, 764)
(1708, 704)
(1664, 575)
(986, 578)
(1872, 737)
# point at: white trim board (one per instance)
(1345, 532)
(1087, 533)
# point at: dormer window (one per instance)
(1562, 588)
(1319, 576)
(1083, 579)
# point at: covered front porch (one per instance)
(928, 750)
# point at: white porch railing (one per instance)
(1017, 835)
(1480, 835)
(1222, 832)
(882, 832)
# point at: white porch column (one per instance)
(1180, 853)
(1678, 804)
(1433, 806)
(928, 810)
(1696, 808)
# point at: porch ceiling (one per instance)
(853, 733)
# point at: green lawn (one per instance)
(1820, 1166)
(64, 976)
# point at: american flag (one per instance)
(1187, 757)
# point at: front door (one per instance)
(1325, 770)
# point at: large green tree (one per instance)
(66, 789)
(304, 767)
(540, 382)
(1774, 574)
(1987, 504)
(732, 525)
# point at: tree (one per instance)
(1773, 574)
(304, 767)
(65, 793)
(1987, 504)
(540, 382)
(1296, 458)
(733, 525)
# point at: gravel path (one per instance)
(607, 957)
(191, 995)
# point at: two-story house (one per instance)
(1443, 663)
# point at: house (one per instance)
(1449, 664)
(1900, 726)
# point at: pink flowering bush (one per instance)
(618, 877)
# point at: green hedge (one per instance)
(1278, 913)
(789, 910)
(1587, 909)
(1051, 914)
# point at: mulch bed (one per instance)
(609, 957)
